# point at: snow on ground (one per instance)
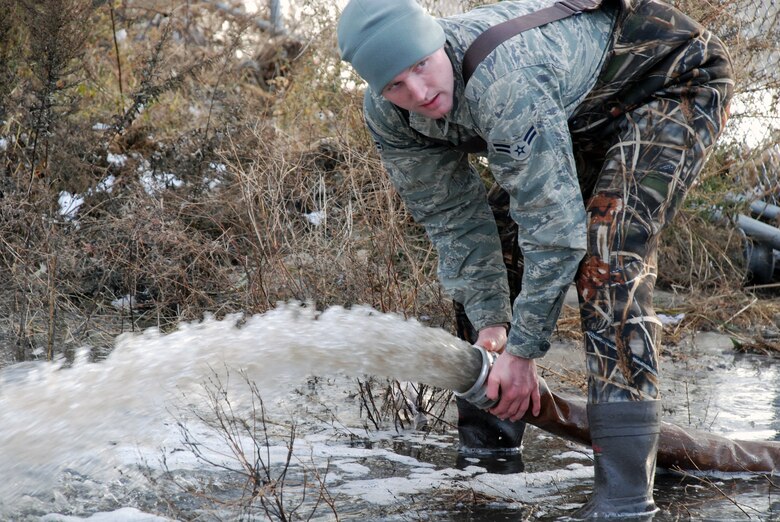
(119, 515)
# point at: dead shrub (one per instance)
(224, 166)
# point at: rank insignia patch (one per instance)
(520, 149)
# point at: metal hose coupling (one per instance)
(476, 394)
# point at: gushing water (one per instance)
(54, 417)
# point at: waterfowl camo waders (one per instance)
(595, 128)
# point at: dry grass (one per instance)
(268, 187)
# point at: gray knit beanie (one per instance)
(381, 38)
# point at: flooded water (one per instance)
(157, 429)
(718, 390)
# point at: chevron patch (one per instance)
(520, 149)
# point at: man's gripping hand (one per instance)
(516, 380)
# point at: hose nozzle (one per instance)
(476, 394)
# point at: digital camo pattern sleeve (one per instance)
(530, 154)
(446, 196)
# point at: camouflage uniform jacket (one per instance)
(518, 100)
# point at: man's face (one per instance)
(425, 88)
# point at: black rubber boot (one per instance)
(481, 431)
(487, 441)
(625, 442)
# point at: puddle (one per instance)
(718, 390)
(401, 474)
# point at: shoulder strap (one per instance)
(494, 36)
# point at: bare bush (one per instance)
(284, 491)
(217, 161)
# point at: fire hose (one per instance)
(680, 449)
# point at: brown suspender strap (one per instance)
(496, 35)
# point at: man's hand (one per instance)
(492, 338)
(516, 379)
